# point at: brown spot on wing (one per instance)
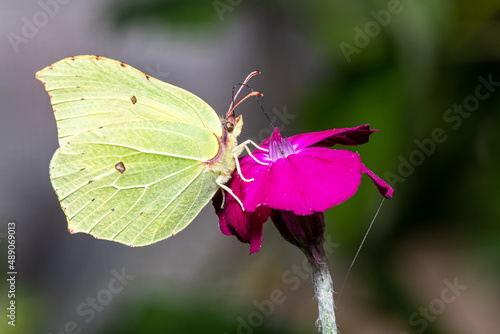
(133, 99)
(120, 167)
(147, 76)
(122, 64)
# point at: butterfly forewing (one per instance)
(90, 91)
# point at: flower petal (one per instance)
(246, 226)
(347, 136)
(384, 188)
(305, 183)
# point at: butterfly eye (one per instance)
(229, 127)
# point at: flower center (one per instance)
(280, 147)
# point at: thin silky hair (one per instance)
(359, 249)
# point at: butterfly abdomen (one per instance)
(224, 163)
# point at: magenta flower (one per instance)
(294, 177)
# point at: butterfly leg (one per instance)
(245, 145)
(249, 141)
(237, 151)
(220, 182)
(223, 198)
(238, 168)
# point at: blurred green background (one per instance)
(425, 73)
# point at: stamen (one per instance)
(280, 148)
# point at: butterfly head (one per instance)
(232, 126)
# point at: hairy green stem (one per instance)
(323, 290)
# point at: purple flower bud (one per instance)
(305, 232)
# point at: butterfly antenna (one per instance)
(241, 85)
(356, 256)
(243, 99)
(231, 106)
(267, 116)
(256, 94)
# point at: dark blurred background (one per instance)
(426, 73)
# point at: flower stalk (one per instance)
(307, 233)
(323, 291)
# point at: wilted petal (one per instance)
(384, 189)
(347, 136)
(312, 181)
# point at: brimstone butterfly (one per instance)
(138, 158)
